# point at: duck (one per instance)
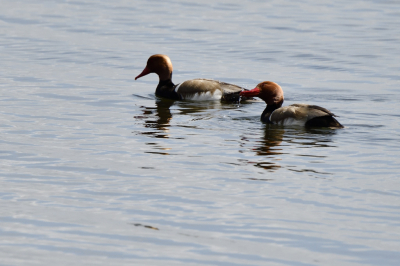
(194, 89)
(295, 114)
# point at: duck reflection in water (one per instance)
(159, 117)
(277, 139)
(269, 148)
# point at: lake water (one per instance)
(96, 170)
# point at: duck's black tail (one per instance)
(324, 121)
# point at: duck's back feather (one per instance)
(312, 108)
(208, 89)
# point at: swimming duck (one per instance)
(295, 114)
(194, 89)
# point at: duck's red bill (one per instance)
(144, 73)
(251, 93)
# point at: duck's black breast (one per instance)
(166, 89)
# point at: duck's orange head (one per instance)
(159, 64)
(269, 91)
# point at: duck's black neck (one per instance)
(166, 89)
(268, 111)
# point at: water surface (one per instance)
(96, 170)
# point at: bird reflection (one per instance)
(276, 138)
(163, 114)
(312, 137)
(273, 137)
(268, 147)
(157, 118)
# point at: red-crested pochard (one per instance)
(295, 114)
(194, 89)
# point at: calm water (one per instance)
(95, 170)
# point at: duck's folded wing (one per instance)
(299, 112)
(208, 89)
(315, 109)
(231, 92)
(197, 86)
(286, 112)
(228, 88)
(199, 89)
(321, 117)
(204, 85)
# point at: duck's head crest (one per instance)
(159, 64)
(269, 91)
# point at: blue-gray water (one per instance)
(92, 163)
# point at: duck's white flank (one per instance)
(177, 87)
(290, 121)
(200, 96)
(204, 96)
